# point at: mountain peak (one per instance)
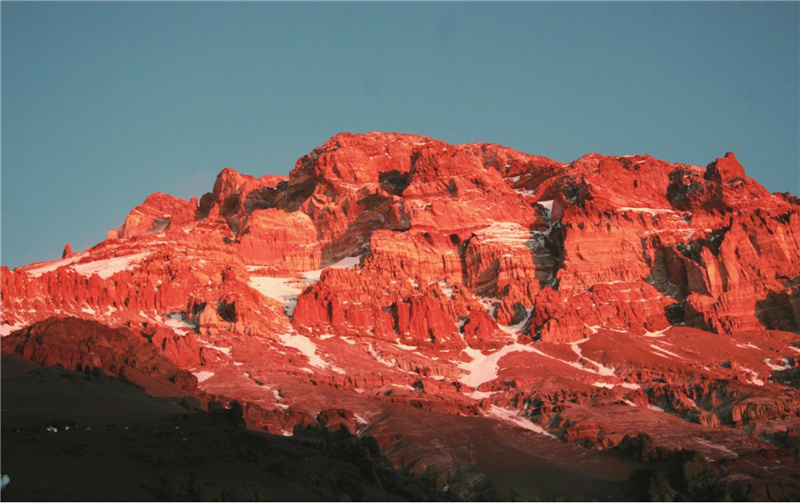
(394, 272)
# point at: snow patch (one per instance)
(651, 211)
(203, 375)
(479, 395)
(505, 233)
(221, 349)
(52, 266)
(489, 303)
(772, 366)
(447, 290)
(510, 416)
(6, 329)
(601, 369)
(284, 290)
(176, 322)
(483, 368)
(718, 447)
(106, 268)
(306, 347)
(548, 207)
(345, 263)
(514, 329)
(657, 348)
(753, 377)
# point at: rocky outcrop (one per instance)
(585, 298)
(81, 344)
(157, 213)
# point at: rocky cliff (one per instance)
(588, 300)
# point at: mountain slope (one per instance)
(592, 300)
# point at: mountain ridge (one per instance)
(588, 300)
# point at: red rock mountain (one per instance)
(592, 301)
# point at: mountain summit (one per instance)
(599, 301)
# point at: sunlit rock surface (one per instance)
(593, 302)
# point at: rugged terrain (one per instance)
(615, 327)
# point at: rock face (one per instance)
(157, 212)
(84, 344)
(397, 270)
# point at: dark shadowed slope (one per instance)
(84, 436)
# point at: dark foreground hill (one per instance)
(84, 436)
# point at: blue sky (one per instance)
(105, 103)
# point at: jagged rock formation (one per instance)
(585, 299)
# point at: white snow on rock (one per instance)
(753, 377)
(505, 233)
(718, 447)
(345, 263)
(483, 368)
(662, 350)
(106, 268)
(203, 375)
(284, 290)
(480, 395)
(651, 211)
(306, 347)
(221, 349)
(52, 266)
(6, 329)
(772, 366)
(510, 416)
(514, 330)
(601, 369)
(177, 324)
(548, 206)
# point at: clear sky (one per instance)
(105, 103)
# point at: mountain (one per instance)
(485, 314)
